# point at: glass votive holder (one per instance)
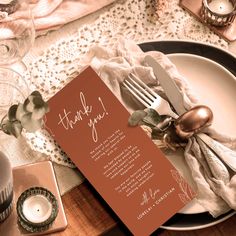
(37, 209)
(218, 12)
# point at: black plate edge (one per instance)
(216, 54)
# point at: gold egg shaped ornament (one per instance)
(193, 121)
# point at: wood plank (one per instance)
(88, 215)
(85, 213)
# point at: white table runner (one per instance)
(52, 62)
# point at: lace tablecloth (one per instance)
(53, 61)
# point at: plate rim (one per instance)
(230, 214)
(188, 41)
(204, 59)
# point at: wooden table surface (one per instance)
(88, 215)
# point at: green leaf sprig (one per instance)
(162, 126)
(28, 115)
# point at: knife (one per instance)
(167, 83)
(176, 99)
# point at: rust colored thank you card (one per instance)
(121, 162)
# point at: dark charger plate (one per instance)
(211, 52)
(227, 60)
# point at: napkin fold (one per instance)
(50, 14)
(215, 183)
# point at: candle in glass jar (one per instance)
(6, 187)
(37, 209)
(221, 6)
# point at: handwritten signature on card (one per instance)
(149, 195)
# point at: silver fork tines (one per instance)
(141, 91)
(147, 96)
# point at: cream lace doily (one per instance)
(134, 19)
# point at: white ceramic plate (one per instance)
(215, 87)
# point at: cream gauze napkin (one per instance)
(215, 183)
(49, 14)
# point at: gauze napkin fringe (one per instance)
(201, 174)
(215, 184)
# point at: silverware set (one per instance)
(147, 96)
(151, 99)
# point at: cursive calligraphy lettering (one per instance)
(68, 120)
(92, 122)
(149, 195)
(80, 114)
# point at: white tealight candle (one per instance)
(37, 208)
(221, 6)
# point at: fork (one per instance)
(147, 96)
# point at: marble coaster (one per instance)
(39, 174)
(194, 7)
